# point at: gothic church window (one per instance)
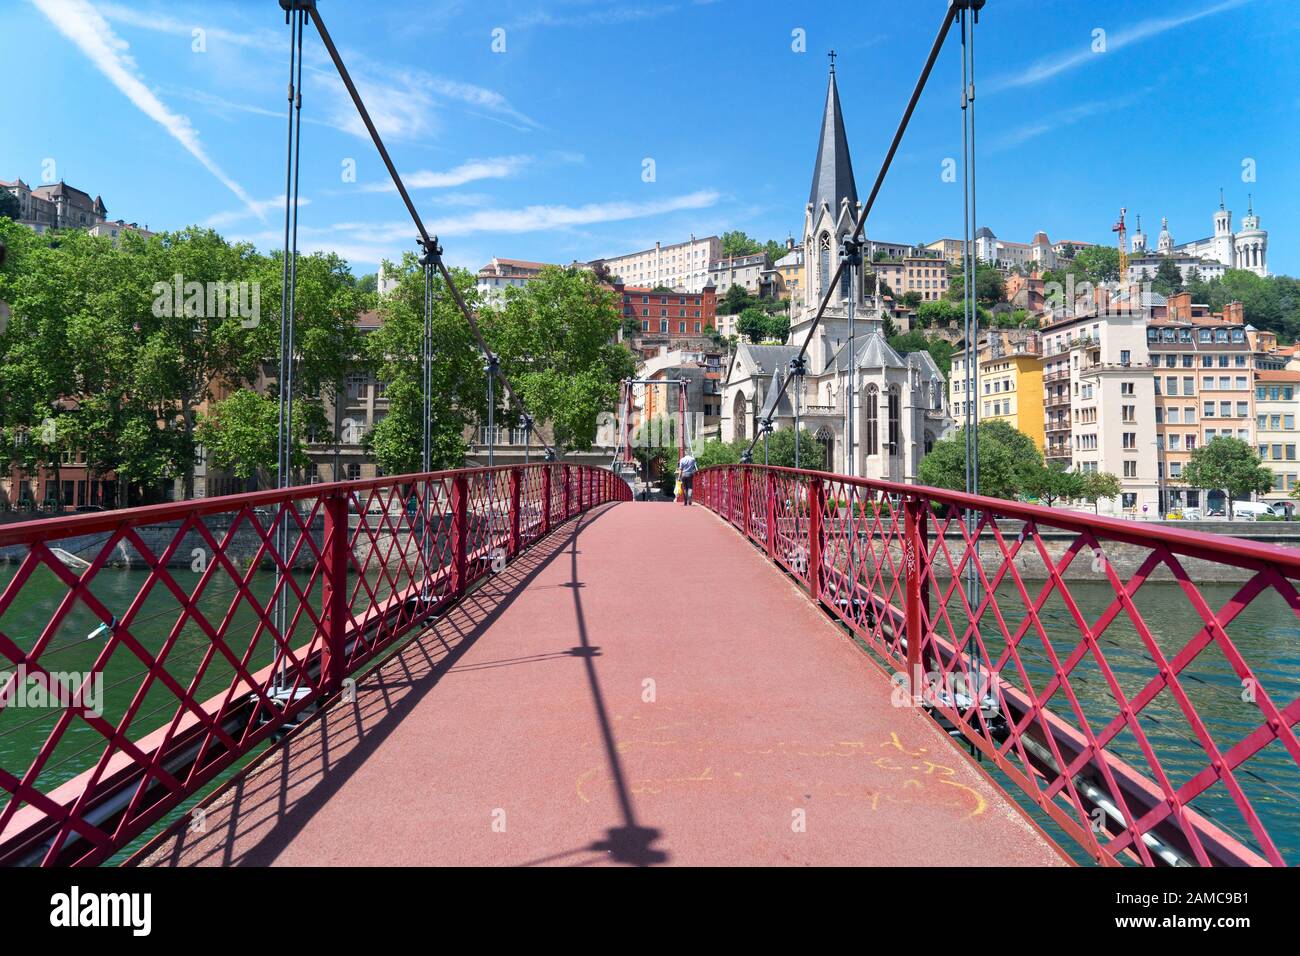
(873, 427)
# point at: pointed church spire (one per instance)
(833, 173)
(1220, 197)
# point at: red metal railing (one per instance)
(231, 619)
(1138, 682)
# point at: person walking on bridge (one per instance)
(686, 469)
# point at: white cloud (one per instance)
(403, 104)
(607, 16)
(84, 26)
(1062, 61)
(162, 23)
(364, 240)
(473, 170)
(1050, 122)
(538, 218)
(260, 208)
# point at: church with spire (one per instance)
(899, 401)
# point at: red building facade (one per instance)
(670, 313)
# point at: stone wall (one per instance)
(1124, 558)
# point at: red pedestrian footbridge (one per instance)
(522, 666)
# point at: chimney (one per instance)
(1180, 305)
(1233, 312)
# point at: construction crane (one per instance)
(1123, 242)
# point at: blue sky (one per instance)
(537, 152)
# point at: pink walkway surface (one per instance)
(640, 688)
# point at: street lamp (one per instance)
(526, 425)
(490, 369)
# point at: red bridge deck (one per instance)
(642, 687)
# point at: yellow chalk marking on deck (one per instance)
(893, 741)
(980, 804)
(582, 778)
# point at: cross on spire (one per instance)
(832, 56)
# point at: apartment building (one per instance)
(1009, 382)
(1058, 440)
(874, 249)
(752, 271)
(494, 278)
(669, 313)
(790, 267)
(702, 372)
(1098, 391)
(925, 275)
(950, 250)
(1277, 397)
(682, 265)
(1203, 367)
(115, 229)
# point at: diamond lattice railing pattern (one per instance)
(144, 651)
(1140, 683)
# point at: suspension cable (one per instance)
(860, 224)
(289, 274)
(430, 244)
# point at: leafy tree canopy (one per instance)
(1009, 461)
(1228, 464)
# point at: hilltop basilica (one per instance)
(899, 401)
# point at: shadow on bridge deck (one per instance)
(642, 687)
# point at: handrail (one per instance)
(1056, 669)
(156, 702)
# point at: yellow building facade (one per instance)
(1009, 387)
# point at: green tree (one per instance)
(555, 337)
(1227, 464)
(990, 287)
(916, 341)
(9, 205)
(327, 343)
(187, 347)
(714, 451)
(54, 345)
(937, 313)
(1168, 278)
(776, 326)
(1098, 263)
(780, 450)
(753, 324)
(241, 431)
(1055, 482)
(1008, 459)
(1098, 485)
(735, 300)
(459, 383)
(739, 243)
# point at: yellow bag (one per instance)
(677, 493)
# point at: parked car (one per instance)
(1249, 510)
